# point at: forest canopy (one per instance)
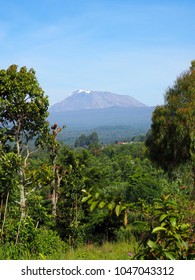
(55, 199)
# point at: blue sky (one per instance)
(128, 47)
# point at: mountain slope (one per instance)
(86, 99)
(136, 117)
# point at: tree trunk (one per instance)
(21, 173)
(55, 185)
(22, 201)
(54, 199)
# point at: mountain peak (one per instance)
(88, 99)
(81, 91)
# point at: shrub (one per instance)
(170, 237)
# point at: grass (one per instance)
(108, 251)
(123, 249)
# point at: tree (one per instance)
(23, 113)
(171, 140)
(86, 141)
(81, 141)
(57, 170)
(93, 138)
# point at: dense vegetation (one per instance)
(88, 202)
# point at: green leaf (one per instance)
(84, 191)
(184, 226)
(173, 221)
(163, 224)
(169, 255)
(162, 217)
(125, 218)
(156, 229)
(102, 204)
(152, 244)
(97, 195)
(111, 205)
(93, 205)
(118, 210)
(159, 207)
(171, 203)
(184, 245)
(42, 257)
(177, 236)
(86, 198)
(165, 197)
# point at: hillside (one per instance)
(111, 124)
(91, 118)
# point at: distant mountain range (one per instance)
(88, 99)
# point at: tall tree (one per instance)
(58, 171)
(23, 113)
(171, 140)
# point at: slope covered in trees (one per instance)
(54, 198)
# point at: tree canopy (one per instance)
(85, 141)
(171, 140)
(23, 116)
(23, 106)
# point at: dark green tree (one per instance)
(81, 141)
(85, 141)
(93, 138)
(171, 140)
(23, 114)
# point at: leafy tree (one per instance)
(23, 113)
(57, 171)
(171, 140)
(93, 138)
(69, 208)
(81, 141)
(85, 141)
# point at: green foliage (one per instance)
(23, 109)
(47, 243)
(40, 243)
(106, 251)
(98, 200)
(70, 211)
(56, 195)
(86, 141)
(171, 140)
(138, 138)
(23, 114)
(170, 235)
(9, 163)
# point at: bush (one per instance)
(47, 244)
(170, 237)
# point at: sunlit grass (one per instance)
(108, 251)
(121, 250)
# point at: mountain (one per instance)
(111, 124)
(136, 117)
(87, 99)
(113, 116)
